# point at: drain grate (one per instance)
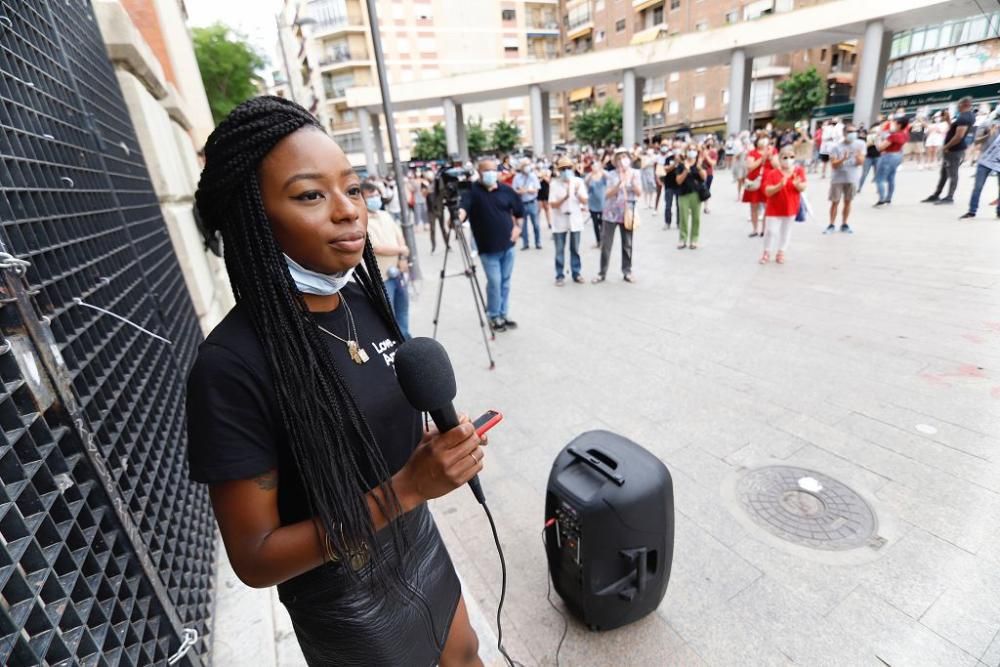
(807, 508)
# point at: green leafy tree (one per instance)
(228, 67)
(599, 125)
(799, 94)
(430, 144)
(477, 137)
(506, 136)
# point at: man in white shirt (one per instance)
(568, 200)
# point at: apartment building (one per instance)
(958, 56)
(698, 98)
(328, 46)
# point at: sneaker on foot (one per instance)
(560, 282)
(497, 324)
(930, 200)
(846, 229)
(509, 324)
(831, 229)
(966, 216)
(944, 200)
(526, 247)
(880, 203)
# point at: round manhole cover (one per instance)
(807, 508)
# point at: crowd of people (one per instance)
(529, 199)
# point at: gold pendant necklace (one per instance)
(357, 353)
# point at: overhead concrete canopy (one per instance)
(828, 23)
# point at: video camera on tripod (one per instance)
(452, 184)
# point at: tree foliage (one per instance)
(228, 67)
(477, 137)
(599, 125)
(799, 94)
(506, 136)
(430, 144)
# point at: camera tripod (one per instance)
(456, 229)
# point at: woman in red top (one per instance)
(758, 164)
(783, 188)
(892, 157)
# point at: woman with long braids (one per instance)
(319, 470)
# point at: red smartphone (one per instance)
(486, 421)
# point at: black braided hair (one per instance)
(330, 438)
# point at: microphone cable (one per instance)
(548, 594)
(503, 589)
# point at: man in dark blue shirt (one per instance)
(494, 212)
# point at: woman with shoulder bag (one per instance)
(691, 177)
(624, 186)
(758, 163)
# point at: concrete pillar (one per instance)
(463, 142)
(367, 142)
(640, 91)
(537, 125)
(451, 125)
(871, 73)
(546, 125)
(379, 146)
(630, 129)
(740, 77)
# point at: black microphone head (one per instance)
(425, 374)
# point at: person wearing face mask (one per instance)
(391, 254)
(623, 189)
(758, 164)
(891, 151)
(495, 214)
(568, 197)
(846, 159)
(597, 185)
(526, 185)
(544, 181)
(648, 170)
(783, 188)
(690, 175)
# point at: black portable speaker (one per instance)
(611, 546)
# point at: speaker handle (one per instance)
(597, 465)
(639, 557)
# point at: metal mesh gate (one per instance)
(106, 549)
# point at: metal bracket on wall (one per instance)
(37, 328)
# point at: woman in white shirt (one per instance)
(568, 201)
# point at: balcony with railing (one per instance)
(579, 21)
(335, 16)
(340, 57)
(542, 24)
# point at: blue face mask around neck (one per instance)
(312, 282)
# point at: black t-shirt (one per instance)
(670, 178)
(235, 429)
(966, 118)
(693, 178)
(543, 189)
(491, 216)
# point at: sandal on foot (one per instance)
(598, 279)
(780, 257)
(681, 246)
(765, 258)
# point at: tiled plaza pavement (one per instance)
(873, 359)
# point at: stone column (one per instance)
(871, 73)
(546, 125)
(630, 129)
(740, 77)
(367, 142)
(541, 142)
(463, 142)
(451, 121)
(379, 146)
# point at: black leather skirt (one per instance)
(338, 621)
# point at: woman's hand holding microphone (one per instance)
(441, 463)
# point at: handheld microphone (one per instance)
(427, 379)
